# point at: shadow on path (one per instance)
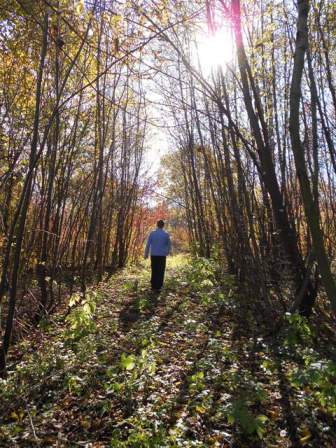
(141, 306)
(285, 391)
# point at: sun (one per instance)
(214, 50)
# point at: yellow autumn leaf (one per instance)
(306, 436)
(14, 415)
(200, 409)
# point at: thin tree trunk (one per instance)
(25, 204)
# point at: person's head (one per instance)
(160, 224)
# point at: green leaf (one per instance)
(117, 387)
(127, 362)
(74, 299)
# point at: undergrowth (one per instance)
(187, 368)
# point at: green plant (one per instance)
(196, 382)
(131, 285)
(143, 434)
(80, 319)
(131, 373)
(143, 304)
(74, 384)
(319, 377)
(239, 413)
(298, 330)
(201, 274)
(127, 362)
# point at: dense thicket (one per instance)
(73, 124)
(255, 138)
(254, 162)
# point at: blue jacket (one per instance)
(158, 243)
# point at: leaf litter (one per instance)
(186, 368)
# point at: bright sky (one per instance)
(212, 51)
(157, 146)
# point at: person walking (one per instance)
(159, 246)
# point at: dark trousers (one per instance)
(158, 265)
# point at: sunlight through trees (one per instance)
(217, 115)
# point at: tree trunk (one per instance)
(310, 206)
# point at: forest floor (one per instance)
(190, 367)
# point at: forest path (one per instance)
(186, 368)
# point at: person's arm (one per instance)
(149, 240)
